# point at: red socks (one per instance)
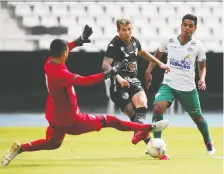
(121, 125)
(41, 144)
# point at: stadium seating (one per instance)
(151, 20)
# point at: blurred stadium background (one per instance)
(26, 30)
(28, 27)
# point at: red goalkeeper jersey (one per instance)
(62, 108)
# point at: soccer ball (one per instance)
(156, 147)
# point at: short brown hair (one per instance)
(123, 21)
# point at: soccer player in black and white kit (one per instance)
(126, 90)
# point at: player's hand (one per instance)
(116, 69)
(84, 38)
(201, 85)
(148, 79)
(165, 67)
(123, 82)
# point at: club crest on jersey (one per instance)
(125, 95)
(131, 67)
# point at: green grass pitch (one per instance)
(111, 152)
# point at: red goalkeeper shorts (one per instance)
(86, 123)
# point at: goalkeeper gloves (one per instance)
(116, 69)
(84, 38)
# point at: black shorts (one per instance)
(122, 96)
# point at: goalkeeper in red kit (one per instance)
(62, 110)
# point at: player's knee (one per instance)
(158, 109)
(129, 110)
(143, 103)
(198, 119)
(55, 144)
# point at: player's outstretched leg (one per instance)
(11, 153)
(155, 127)
(17, 148)
(54, 139)
(121, 125)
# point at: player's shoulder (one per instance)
(196, 42)
(134, 39)
(50, 67)
(47, 61)
(170, 39)
(114, 42)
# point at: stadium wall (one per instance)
(23, 83)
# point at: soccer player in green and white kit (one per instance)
(183, 52)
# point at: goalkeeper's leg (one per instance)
(54, 139)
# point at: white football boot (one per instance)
(11, 153)
(159, 125)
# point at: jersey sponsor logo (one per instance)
(180, 64)
(131, 67)
(193, 43)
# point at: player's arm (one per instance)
(66, 78)
(84, 38)
(106, 66)
(202, 75)
(151, 64)
(96, 78)
(149, 57)
(201, 67)
(107, 62)
(88, 80)
(158, 54)
(109, 58)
